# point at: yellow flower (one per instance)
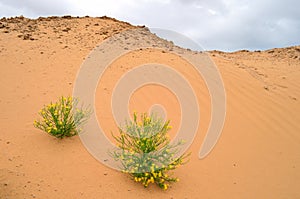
(152, 169)
(159, 174)
(147, 119)
(152, 179)
(165, 187)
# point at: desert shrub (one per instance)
(145, 152)
(62, 118)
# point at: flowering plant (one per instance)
(62, 119)
(145, 151)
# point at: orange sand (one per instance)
(257, 156)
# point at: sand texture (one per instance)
(257, 155)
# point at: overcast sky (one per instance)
(227, 25)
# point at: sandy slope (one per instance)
(257, 155)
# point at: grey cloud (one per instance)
(251, 25)
(34, 8)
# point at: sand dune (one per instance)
(257, 155)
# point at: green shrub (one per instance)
(145, 152)
(63, 118)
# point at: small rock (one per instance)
(67, 17)
(26, 37)
(66, 29)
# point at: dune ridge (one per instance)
(257, 155)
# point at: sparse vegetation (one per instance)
(63, 118)
(145, 151)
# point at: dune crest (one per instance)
(257, 155)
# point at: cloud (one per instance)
(249, 25)
(216, 24)
(34, 8)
